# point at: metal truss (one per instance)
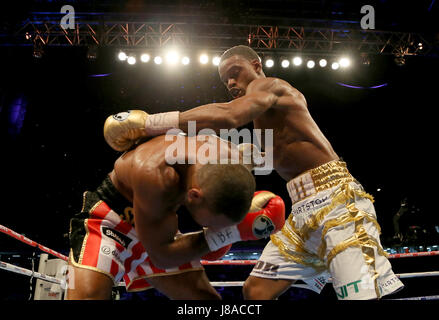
(218, 37)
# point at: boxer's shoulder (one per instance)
(273, 85)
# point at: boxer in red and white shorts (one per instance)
(106, 242)
(128, 228)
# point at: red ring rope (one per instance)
(32, 243)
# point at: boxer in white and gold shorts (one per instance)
(332, 231)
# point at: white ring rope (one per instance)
(27, 272)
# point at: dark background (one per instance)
(52, 112)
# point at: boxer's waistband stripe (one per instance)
(323, 177)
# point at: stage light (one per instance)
(145, 57)
(158, 60)
(204, 58)
(172, 57)
(185, 60)
(216, 60)
(285, 63)
(131, 60)
(323, 63)
(344, 62)
(297, 61)
(400, 60)
(122, 56)
(269, 63)
(37, 51)
(310, 64)
(335, 65)
(365, 59)
(92, 53)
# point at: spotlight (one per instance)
(365, 60)
(323, 63)
(158, 60)
(269, 63)
(310, 64)
(335, 65)
(216, 60)
(92, 53)
(172, 57)
(131, 60)
(285, 63)
(145, 57)
(185, 60)
(122, 56)
(297, 61)
(38, 51)
(204, 59)
(344, 62)
(28, 36)
(400, 61)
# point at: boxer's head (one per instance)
(219, 195)
(238, 67)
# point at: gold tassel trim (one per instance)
(353, 215)
(305, 259)
(359, 239)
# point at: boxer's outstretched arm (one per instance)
(229, 115)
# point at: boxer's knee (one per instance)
(264, 289)
(84, 284)
(205, 293)
(202, 289)
(252, 290)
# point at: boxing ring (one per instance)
(60, 279)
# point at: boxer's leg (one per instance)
(86, 284)
(191, 285)
(256, 288)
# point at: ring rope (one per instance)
(32, 243)
(27, 272)
(62, 282)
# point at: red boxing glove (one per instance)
(218, 254)
(266, 216)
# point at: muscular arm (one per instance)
(259, 98)
(156, 223)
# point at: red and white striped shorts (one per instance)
(110, 246)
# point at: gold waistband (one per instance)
(318, 179)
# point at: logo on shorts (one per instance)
(121, 116)
(262, 226)
(106, 250)
(266, 268)
(117, 236)
(346, 289)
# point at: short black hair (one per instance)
(228, 189)
(241, 50)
